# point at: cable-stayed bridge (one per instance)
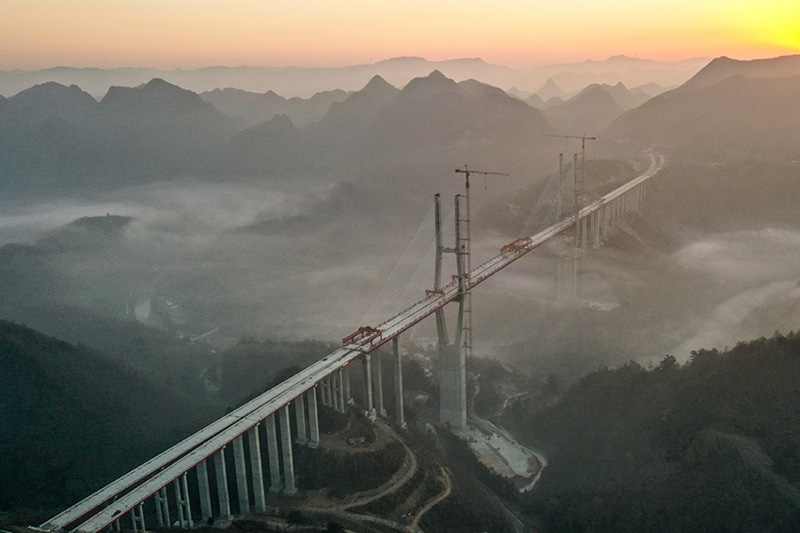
(328, 382)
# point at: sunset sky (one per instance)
(195, 33)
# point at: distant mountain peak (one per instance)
(550, 90)
(156, 96)
(549, 84)
(427, 86)
(378, 84)
(52, 100)
(281, 122)
(52, 89)
(721, 68)
(436, 75)
(158, 82)
(403, 59)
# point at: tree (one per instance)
(295, 518)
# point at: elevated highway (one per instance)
(322, 381)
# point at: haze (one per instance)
(199, 198)
(178, 34)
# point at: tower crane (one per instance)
(577, 245)
(465, 262)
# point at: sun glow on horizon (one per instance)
(191, 34)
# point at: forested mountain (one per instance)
(713, 445)
(591, 110)
(249, 108)
(723, 68)
(57, 140)
(72, 419)
(731, 110)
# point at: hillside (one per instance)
(382, 134)
(591, 110)
(61, 404)
(708, 446)
(723, 68)
(58, 140)
(248, 108)
(729, 111)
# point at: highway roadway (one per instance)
(142, 482)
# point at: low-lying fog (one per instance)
(250, 260)
(757, 277)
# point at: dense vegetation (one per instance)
(344, 473)
(72, 419)
(713, 445)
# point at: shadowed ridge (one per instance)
(724, 67)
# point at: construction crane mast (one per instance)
(578, 170)
(577, 258)
(465, 261)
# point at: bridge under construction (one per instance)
(266, 421)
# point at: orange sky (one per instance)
(195, 33)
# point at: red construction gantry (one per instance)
(516, 246)
(365, 335)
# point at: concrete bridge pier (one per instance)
(162, 508)
(300, 417)
(348, 399)
(183, 503)
(286, 452)
(452, 392)
(240, 468)
(272, 455)
(398, 384)
(582, 237)
(367, 362)
(339, 388)
(257, 469)
(334, 396)
(313, 420)
(596, 229)
(325, 392)
(222, 484)
(378, 386)
(203, 488)
(137, 518)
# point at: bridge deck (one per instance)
(142, 482)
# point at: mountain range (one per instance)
(304, 82)
(59, 138)
(55, 138)
(730, 109)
